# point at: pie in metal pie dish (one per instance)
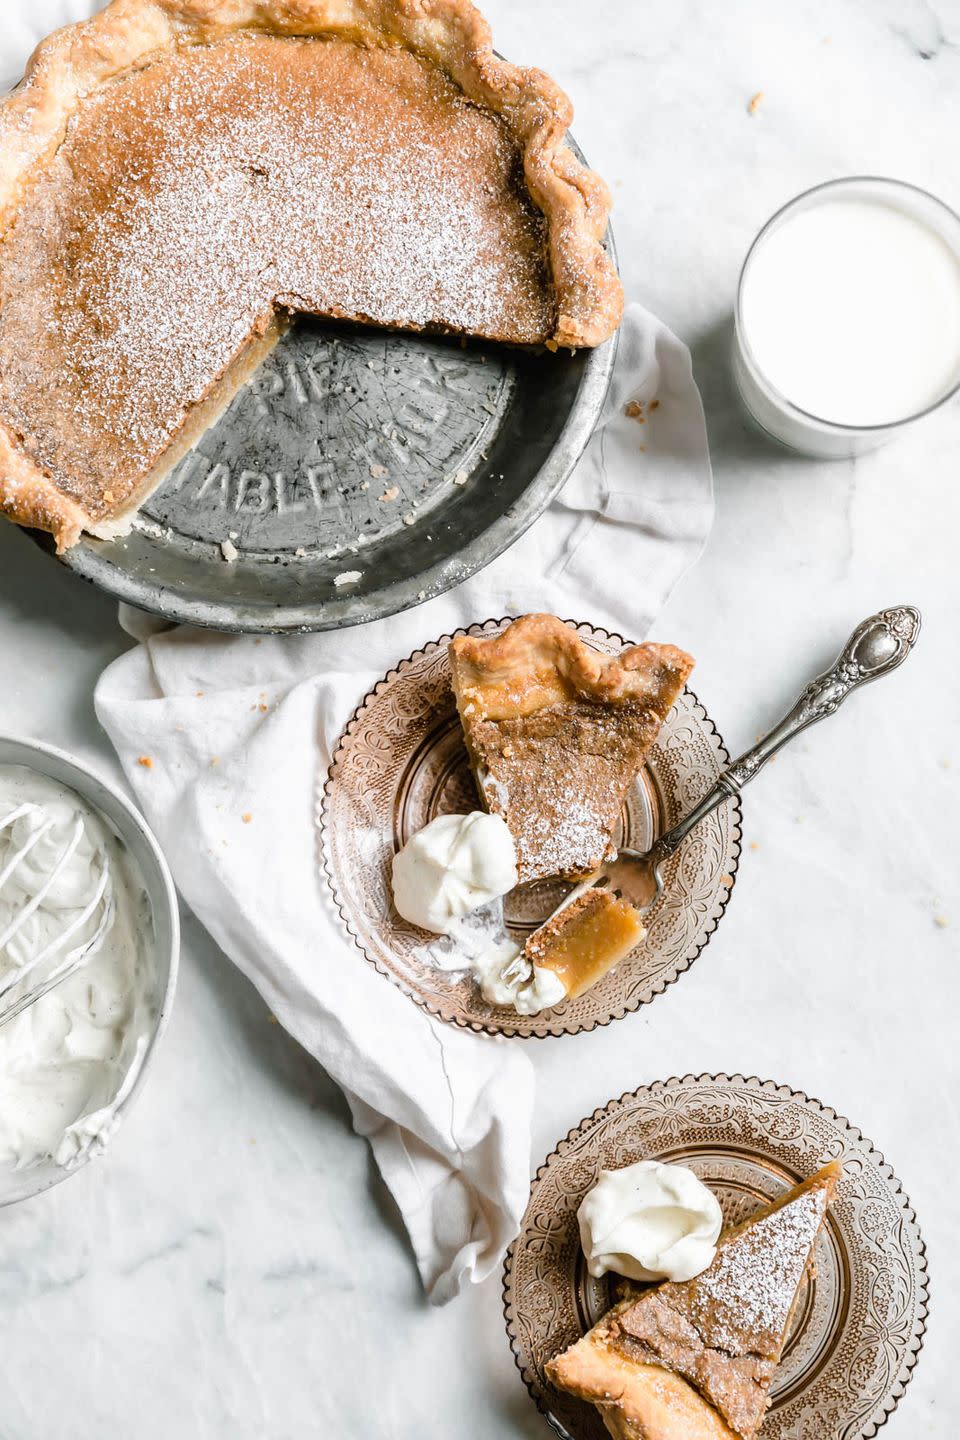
(177, 177)
(556, 734)
(695, 1360)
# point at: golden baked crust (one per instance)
(539, 662)
(557, 733)
(694, 1360)
(640, 1402)
(73, 67)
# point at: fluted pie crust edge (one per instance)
(539, 661)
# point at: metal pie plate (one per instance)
(474, 438)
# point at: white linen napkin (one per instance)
(446, 1112)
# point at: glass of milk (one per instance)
(848, 315)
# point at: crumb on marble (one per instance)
(347, 577)
(246, 817)
(941, 922)
(634, 411)
(755, 102)
(145, 761)
(389, 494)
(229, 551)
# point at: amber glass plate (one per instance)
(859, 1324)
(401, 762)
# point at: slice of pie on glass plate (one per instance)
(177, 177)
(694, 1360)
(557, 733)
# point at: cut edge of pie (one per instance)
(451, 35)
(694, 1360)
(556, 732)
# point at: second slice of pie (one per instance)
(694, 1360)
(557, 733)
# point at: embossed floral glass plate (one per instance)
(401, 762)
(859, 1325)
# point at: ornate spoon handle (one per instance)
(877, 646)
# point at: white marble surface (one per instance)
(234, 1268)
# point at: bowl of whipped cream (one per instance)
(72, 1062)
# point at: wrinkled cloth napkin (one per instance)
(447, 1112)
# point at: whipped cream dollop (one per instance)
(452, 866)
(649, 1221)
(68, 1062)
(503, 980)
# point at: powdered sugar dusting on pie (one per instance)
(751, 1285)
(569, 834)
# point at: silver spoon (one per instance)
(877, 646)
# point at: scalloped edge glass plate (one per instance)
(859, 1325)
(401, 761)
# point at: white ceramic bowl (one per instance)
(130, 828)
